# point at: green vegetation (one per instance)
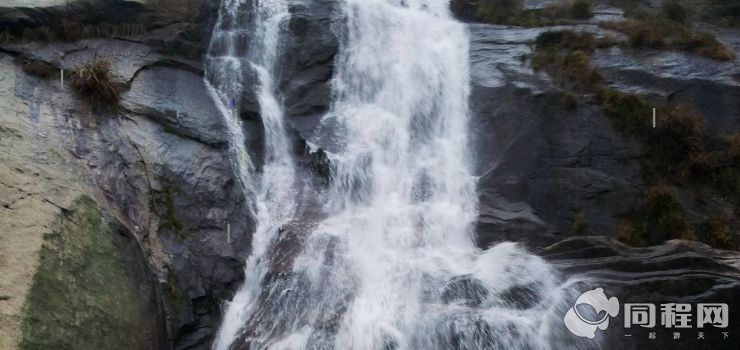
(39, 68)
(660, 217)
(580, 225)
(674, 11)
(164, 202)
(570, 101)
(512, 12)
(725, 164)
(93, 82)
(677, 152)
(84, 295)
(664, 34)
(717, 232)
(564, 56)
(581, 10)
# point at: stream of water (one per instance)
(392, 264)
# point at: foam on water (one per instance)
(393, 265)
(237, 51)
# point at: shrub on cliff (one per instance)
(717, 232)
(675, 11)
(93, 82)
(581, 9)
(663, 34)
(38, 68)
(563, 55)
(498, 11)
(660, 218)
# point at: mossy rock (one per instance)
(92, 289)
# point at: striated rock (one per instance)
(552, 166)
(180, 101)
(675, 272)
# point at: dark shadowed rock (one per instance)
(467, 290)
(307, 62)
(675, 272)
(180, 101)
(521, 296)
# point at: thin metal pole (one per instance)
(228, 233)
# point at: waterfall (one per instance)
(237, 51)
(392, 264)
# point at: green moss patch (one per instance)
(84, 294)
(164, 204)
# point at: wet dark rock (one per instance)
(180, 101)
(521, 296)
(466, 290)
(545, 166)
(307, 61)
(675, 272)
(465, 332)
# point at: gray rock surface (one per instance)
(675, 272)
(541, 167)
(158, 166)
(179, 100)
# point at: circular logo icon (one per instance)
(585, 325)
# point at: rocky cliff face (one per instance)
(156, 169)
(146, 195)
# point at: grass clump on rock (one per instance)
(717, 232)
(663, 34)
(93, 81)
(38, 68)
(726, 167)
(581, 10)
(660, 217)
(564, 56)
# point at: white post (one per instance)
(61, 77)
(228, 233)
(654, 118)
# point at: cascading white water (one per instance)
(393, 265)
(272, 193)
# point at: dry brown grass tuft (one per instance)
(38, 68)
(93, 82)
(665, 34)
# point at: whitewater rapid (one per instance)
(392, 262)
(239, 51)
